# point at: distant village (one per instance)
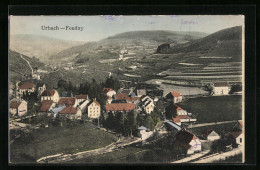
(128, 104)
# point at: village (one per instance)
(129, 113)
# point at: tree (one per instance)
(148, 122)
(170, 111)
(110, 121)
(62, 85)
(131, 122)
(120, 119)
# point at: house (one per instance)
(221, 88)
(83, 105)
(188, 141)
(124, 91)
(55, 111)
(26, 87)
(114, 107)
(237, 137)
(148, 106)
(70, 112)
(141, 92)
(68, 101)
(183, 118)
(94, 109)
(210, 135)
(18, 107)
(109, 92)
(81, 97)
(46, 106)
(144, 133)
(50, 95)
(180, 111)
(174, 96)
(41, 88)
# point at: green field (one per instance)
(49, 141)
(126, 155)
(221, 129)
(214, 108)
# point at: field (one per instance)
(221, 129)
(54, 140)
(214, 108)
(232, 159)
(126, 155)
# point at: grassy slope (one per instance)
(18, 66)
(60, 140)
(214, 108)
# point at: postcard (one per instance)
(136, 89)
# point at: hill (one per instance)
(226, 42)
(132, 41)
(19, 68)
(40, 46)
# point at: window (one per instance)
(240, 140)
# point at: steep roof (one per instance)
(106, 90)
(58, 109)
(142, 128)
(234, 134)
(94, 102)
(120, 106)
(176, 119)
(48, 92)
(209, 132)
(175, 93)
(122, 96)
(178, 107)
(221, 84)
(45, 105)
(241, 123)
(81, 96)
(67, 101)
(27, 86)
(69, 110)
(184, 137)
(174, 125)
(15, 104)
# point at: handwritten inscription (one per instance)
(187, 22)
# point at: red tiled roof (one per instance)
(241, 123)
(178, 107)
(94, 102)
(176, 119)
(183, 116)
(120, 106)
(81, 96)
(221, 84)
(48, 93)
(106, 90)
(45, 105)
(175, 93)
(69, 110)
(67, 101)
(15, 104)
(121, 96)
(27, 86)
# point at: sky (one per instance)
(96, 28)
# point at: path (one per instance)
(192, 157)
(208, 124)
(218, 157)
(58, 158)
(27, 62)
